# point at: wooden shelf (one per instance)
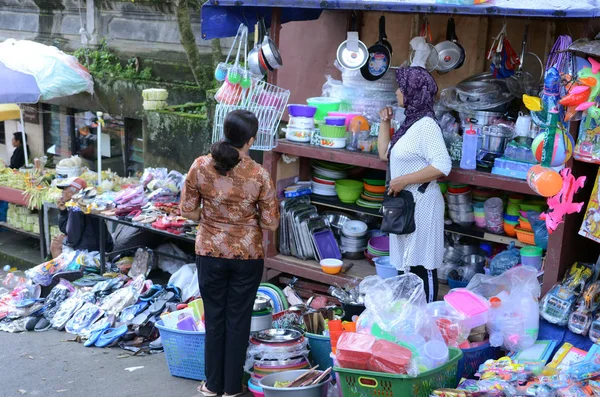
(20, 231)
(311, 270)
(470, 231)
(367, 160)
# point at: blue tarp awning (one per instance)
(221, 18)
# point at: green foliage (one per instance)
(102, 63)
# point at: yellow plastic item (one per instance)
(532, 103)
(9, 112)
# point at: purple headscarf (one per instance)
(419, 89)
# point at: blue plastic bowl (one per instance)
(384, 268)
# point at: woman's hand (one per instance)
(386, 114)
(396, 186)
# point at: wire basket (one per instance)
(265, 100)
(184, 351)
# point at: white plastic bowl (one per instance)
(331, 262)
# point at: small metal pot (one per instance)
(475, 260)
(495, 138)
(480, 117)
(459, 199)
(261, 303)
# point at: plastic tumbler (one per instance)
(494, 215)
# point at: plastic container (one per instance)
(331, 266)
(320, 350)
(184, 351)
(435, 352)
(473, 307)
(355, 383)
(532, 256)
(332, 131)
(257, 391)
(267, 383)
(384, 268)
(525, 236)
(324, 105)
(296, 110)
(468, 160)
(494, 215)
(544, 181)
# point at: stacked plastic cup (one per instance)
(479, 213)
(494, 215)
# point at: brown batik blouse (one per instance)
(233, 206)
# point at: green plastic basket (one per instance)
(374, 384)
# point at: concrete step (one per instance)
(19, 251)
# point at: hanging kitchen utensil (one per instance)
(270, 52)
(463, 53)
(352, 54)
(253, 57)
(433, 59)
(223, 67)
(234, 73)
(450, 54)
(380, 56)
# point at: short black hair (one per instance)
(19, 136)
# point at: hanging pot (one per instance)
(449, 52)
(380, 56)
(454, 38)
(352, 54)
(269, 50)
(253, 57)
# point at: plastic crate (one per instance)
(473, 358)
(355, 383)
(184, 351)
(320, 350)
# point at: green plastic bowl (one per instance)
(324, 105)
(333, 131)
(374, 182)
(349, 185)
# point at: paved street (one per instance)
(44, 364)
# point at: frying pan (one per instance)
(380, 56)
(269, 50)
(253, 56)
(455, 41)
(449, 52)
(352, 54)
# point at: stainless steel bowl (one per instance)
(261, 303)
(337, 219)
(460, 207)
(458, 199)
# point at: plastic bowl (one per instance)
(335, 121)
(374, 182)
(375, 189)
(297, 110)
(333, 143)
(331, 266)
(348, 196)
(349, 185)
(332, 131)
(511, 218)
(324, 105)
(509, 230)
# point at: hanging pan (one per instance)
(270, 52)
(450, 53)
(380, 56)
(253, 56)
(352, 54)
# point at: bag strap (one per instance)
(388, 178)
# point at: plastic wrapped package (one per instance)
(119, 300)
(505, 260)
(42, 273)
(396, 310)
(449, 128)
(83, 318)
(450, 322)
(389, 357)
(66, 311)
(354, 350)
(61, 292)
(265, 351)
(540, 230)
(514, 316)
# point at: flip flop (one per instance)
(152, 292)
(129, 313)
(205, 392)
(94, 336)
(110, 336)
(32, 322)
(159, 305)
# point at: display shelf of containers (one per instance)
(340, 167)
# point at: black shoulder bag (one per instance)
(399, 212)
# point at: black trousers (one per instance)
(430, 281)
(228, 288)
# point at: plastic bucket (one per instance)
(532, 256)
(267, 383)
(383, 267)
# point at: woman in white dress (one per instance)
(417, 155)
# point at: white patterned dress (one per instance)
(422, 145)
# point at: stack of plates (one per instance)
(276, 296)
(324, 176)
(379, 246)
(354, 237)
(372, 197)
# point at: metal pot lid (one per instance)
(277, 335)
(473, 88)
(352, 60)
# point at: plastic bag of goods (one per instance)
(450, 322)
(355, 350)
(390, 358)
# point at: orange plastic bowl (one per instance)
(509, 230)
(525, 225)
(375, 189)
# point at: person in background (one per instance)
(17, 160)
(234, 200)
(80, 232)
(417, 154)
